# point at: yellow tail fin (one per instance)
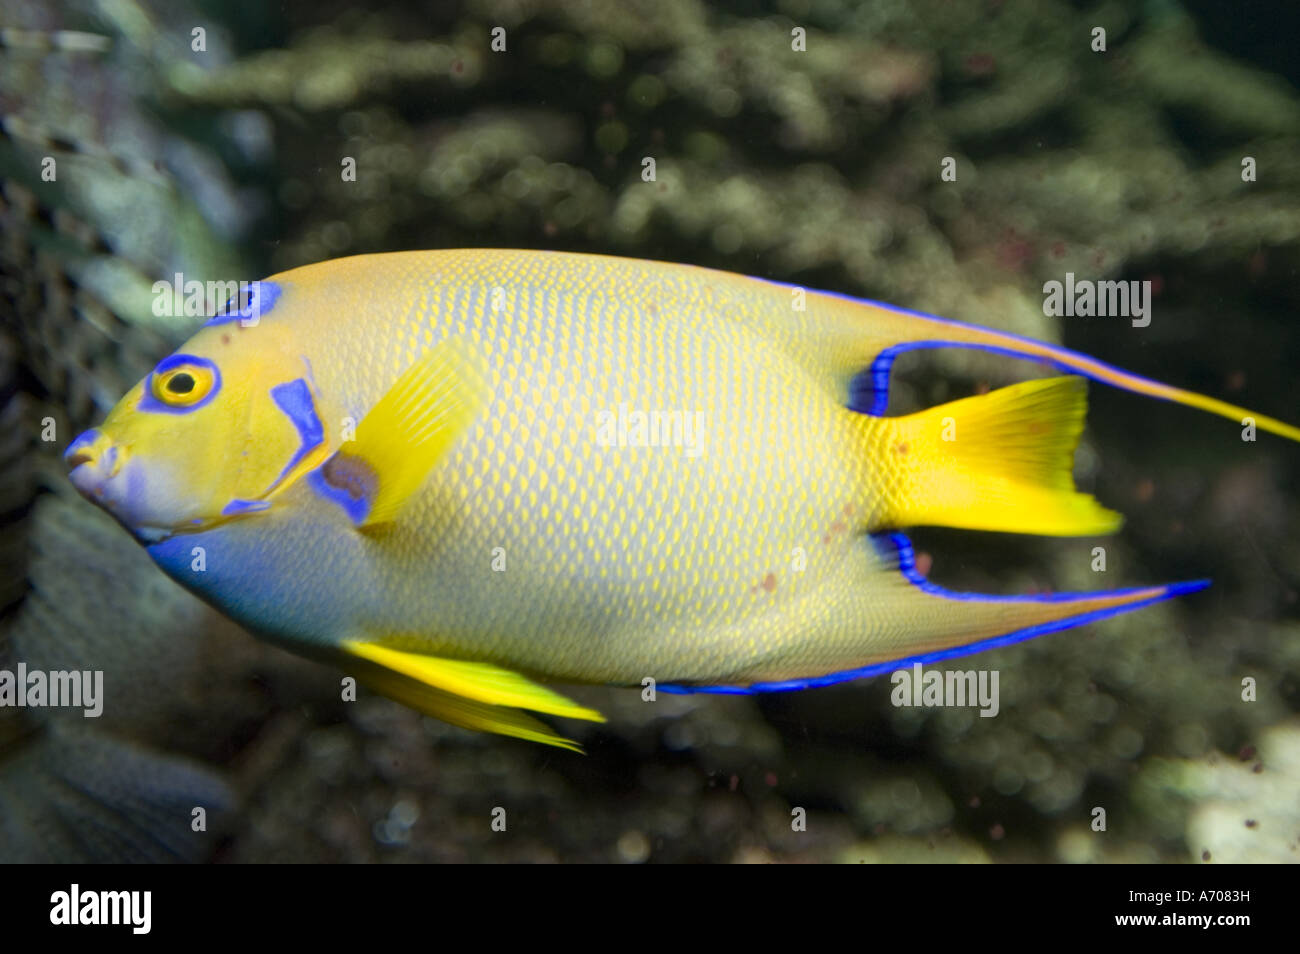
(998, 461)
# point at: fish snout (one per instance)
(93, 460)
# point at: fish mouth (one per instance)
(74, 458)
(103, 473)
(95, 447)
(95, 468)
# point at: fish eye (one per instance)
(181, 383)
(184, 383)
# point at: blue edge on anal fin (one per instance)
(900, 547)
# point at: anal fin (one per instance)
(933, 623)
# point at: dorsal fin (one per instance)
(864, 338)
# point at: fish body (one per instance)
(470, 472)
(618, 562)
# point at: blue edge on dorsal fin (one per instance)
(869, 389)
(869, 394)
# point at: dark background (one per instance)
(820, 168)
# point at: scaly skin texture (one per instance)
(619, 562)
(535, 545)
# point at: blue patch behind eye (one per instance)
(150, 403)
(294, 398)
(262, 297)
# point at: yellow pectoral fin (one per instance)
(480, 692)
(408, 431)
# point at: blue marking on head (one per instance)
(355, 505)
(294, 398)
(150, 403)
(262, 297)
(237, 507)
(902, 549)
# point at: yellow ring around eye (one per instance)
(183, 385)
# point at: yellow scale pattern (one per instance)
(620, 562)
